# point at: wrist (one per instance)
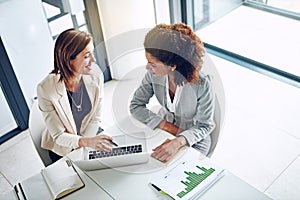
(181, 141)
(82, 142)
(161, 125)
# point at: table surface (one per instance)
(132, 182)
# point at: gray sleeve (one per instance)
(139, 101)
(203, 121)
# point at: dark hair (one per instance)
(67, 46)
(176, 44)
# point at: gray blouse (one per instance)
(194, 110)
(81, 99)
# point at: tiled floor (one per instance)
(261, 138)
(260, 141)
(18, 161)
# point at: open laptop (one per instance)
(131, 150)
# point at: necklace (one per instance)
(79, 108)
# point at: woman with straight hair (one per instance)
(70, 97)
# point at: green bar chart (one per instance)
(188, 178)
(194, 179)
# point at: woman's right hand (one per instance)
(168, 149)
(99, 142)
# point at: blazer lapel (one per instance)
(89, 85)
(90, 88)
(65, 105)
(160, 89)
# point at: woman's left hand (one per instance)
(168, 149)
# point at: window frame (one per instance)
(13, 95)
(241, 60)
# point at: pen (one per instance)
(112, 142)
(161, 191)
(155, 187)
(17, 191)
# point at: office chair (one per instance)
(210, 68)
(36, 128)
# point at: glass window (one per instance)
(61, 24)
(241, 28)
(200, 16)
(59, 20)
(50, 10)
(199, 10)
(7, 121)
(84, 28)
(80, 18)
(207, 11)
(288, 5)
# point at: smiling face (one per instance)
(157, 67)
(83, 61)
(73, 55)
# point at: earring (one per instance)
(172, 69)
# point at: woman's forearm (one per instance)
(169, 127)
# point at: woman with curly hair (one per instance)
(174, 53)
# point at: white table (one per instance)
(132, 182)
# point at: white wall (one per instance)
(125, 24)
(162, 11)
(28, 42)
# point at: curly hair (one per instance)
(177, 44)
(67, 46)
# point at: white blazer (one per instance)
(60, 134)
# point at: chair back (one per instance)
(36, 128)
(219, 115)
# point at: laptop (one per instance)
(131, 150)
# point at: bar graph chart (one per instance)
(188, 178)
(194, 179)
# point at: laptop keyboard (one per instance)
(124, 150)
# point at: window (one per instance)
(261, 35)
(60, 19)
(291, 6)
(7, 121)
(14, 109)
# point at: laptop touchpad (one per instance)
(119, 139)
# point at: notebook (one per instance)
(131, 150)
